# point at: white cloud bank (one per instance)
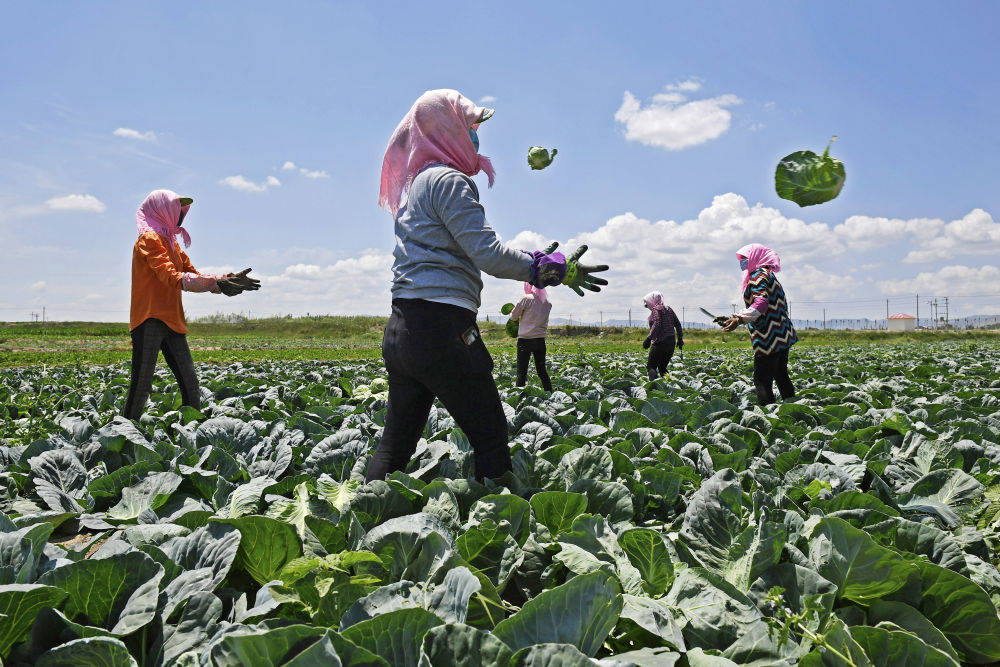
(129, 133)
(975, 233)
(691, 261)
(673, 122)
(85, 203)
(239, 182)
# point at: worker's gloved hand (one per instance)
(680, 343)
(245, 282)
(646, 343)
(547, 269)
(732, 323)
(236, 283)
(580, 277)
(228, 287)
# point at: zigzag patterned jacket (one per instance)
(772, 332)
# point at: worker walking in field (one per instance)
(160, 272)
(432, 346)
(766, 316)
(661, 341)
(532, 316)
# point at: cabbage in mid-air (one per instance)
(808, 179)
(539, 158)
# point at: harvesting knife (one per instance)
(718, 319)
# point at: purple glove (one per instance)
(547, 269)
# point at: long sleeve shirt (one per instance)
(771, 330)
(532, 316)
(443, 242)
(663, 323)
(160, 272)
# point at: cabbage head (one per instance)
(809, 179)
(539, 158)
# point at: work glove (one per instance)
(680, 344)
(548, 267)
(646, 343)
(236, 283)
(732, 323)
(551, 268)
(580, 277)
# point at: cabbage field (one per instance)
(676, 524)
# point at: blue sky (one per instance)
(104, 102)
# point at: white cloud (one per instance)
(40, 285)
(357, 284)
(129, 133)
(770, 106)
(312, 174)
(688, 86)
(957, 280)
(87, 203)
(239, 182)
(487, 99)
(864, 232)
(976, 233)
(672, 122)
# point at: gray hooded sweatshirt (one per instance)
(443, 242)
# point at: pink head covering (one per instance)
(757, 256)
(435, 129)
(653, 300)
(539, 292)
(160, 213)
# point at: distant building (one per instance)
(902, 322)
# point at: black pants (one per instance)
(659, 357)
(435, 350)
(148, 339)
(527, 348)
(768, 369)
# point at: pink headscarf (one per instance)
(160, 213)
(757, 256)
(435, 129)
(539, 292)
(653, 300)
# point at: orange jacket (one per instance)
(157, 282)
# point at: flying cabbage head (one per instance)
(809, 179)
(540, 158)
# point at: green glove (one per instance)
(512, 328)
(579, 276)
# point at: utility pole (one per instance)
(918, 311)
(734, 309)
(824, 318)
(602, 318)
(946, 319)
(683, 311)
(887, 313)
(43, 314)
(629, 318)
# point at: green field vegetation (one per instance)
(328, 338)
(643, 524)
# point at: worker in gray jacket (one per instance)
(432, 346)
